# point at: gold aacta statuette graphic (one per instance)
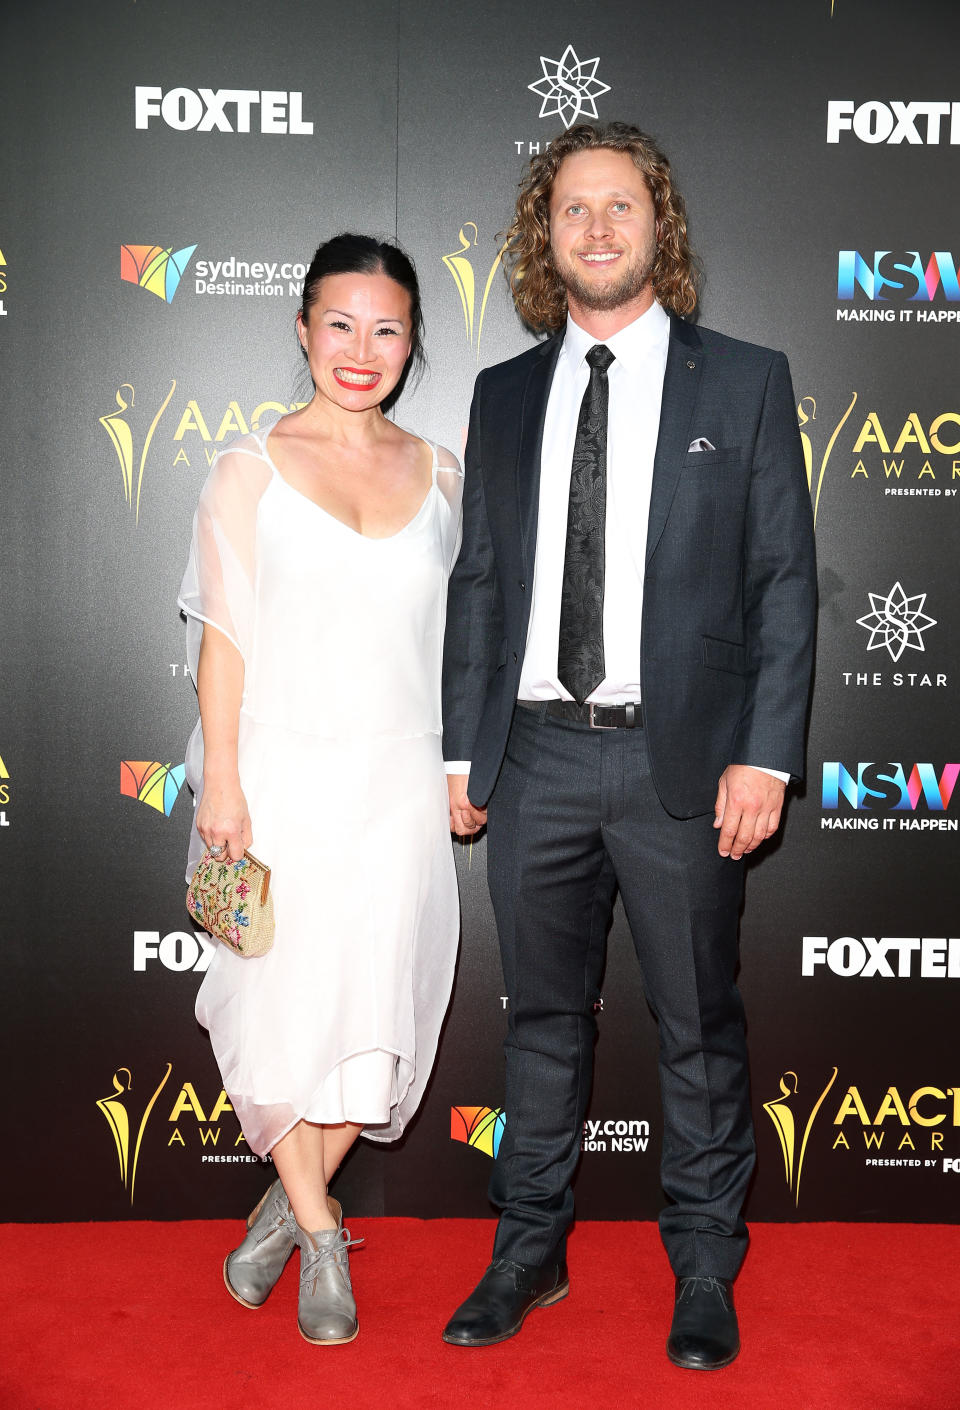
(781, 1113)
(118, 429)
(461, 267)
(114, 1108)
(804, 417)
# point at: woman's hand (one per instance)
(223, 819)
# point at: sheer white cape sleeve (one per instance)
(218, 585)
(450, 484)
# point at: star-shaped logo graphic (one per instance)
(569, 88)
(896, 622)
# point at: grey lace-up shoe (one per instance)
(327, 1313)
(252, 1269)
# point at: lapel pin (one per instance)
(691, 365)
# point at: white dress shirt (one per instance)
(635, 381)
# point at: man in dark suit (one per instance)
(627, 662)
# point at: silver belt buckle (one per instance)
(592, 722)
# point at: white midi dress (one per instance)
(340, 762)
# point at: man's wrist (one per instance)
(774, 773)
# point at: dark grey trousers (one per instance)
(574, 818)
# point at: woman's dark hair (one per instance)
(362, 254)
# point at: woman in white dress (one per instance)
(315, 601)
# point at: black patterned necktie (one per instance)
(580, 666)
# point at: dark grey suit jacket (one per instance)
(729, 593)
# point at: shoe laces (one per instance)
(334, 1251)
(283, 1221)
(689, 1287)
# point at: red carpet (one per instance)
(135, 1317)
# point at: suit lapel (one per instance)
(681, 385)
(533, 413)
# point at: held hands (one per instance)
(747, 810)
(223, 819)
(465, 819)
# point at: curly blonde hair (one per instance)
(538, 292)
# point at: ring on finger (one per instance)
(216, 850)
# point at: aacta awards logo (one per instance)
(157, 785)
(118, 428)
(783, 1112)
(3, 284)
(116, 1109)
(906, 454)
(4, 794)
(891, 1130)
(188, 1123)
(460, 264)
(154, 268)
(132, 435)
(817, 459)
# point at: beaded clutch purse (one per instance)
(232, 901)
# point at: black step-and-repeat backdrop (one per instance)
(168, 170)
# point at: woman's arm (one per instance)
(222, 817)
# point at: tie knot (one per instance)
(600, 357)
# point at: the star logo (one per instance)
(896, 622)
(569, 87)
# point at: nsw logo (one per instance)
(888, 787)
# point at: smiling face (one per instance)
(357, 336)
(603, 234)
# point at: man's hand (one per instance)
(465, 819)
(747, 810)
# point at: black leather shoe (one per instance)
(704, 1335)
(504, 1295)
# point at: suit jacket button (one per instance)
(522, 585)
(514, 656)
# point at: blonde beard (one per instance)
(601, 298)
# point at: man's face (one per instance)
(603, 231)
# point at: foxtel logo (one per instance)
(180, 950)
(883, 957)
(206, 110)
(918, 124)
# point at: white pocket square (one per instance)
(701, 443)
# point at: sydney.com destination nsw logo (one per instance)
(150, 782)
(482, 1127)
(159, 269)
(154, 268)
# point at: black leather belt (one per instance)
(596, 716)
